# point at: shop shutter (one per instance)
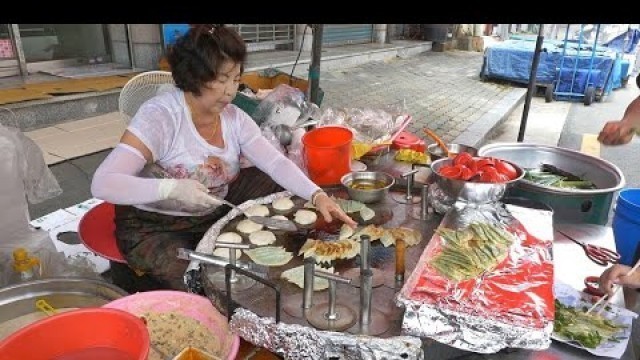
(343, 34)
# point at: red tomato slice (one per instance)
(489, 177)
(449, 171)
(507, 169)
(465, 172)
(488, 169)
(462, 158)
(484, 162)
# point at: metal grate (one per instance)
(260, 33)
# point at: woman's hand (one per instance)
(328, 207)
(616, 275)
(616, 133)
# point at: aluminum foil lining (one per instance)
(208, 242)
(297, 342)
(467, 332)
(472, 326)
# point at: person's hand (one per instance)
(616, 133)
(616, 275)
(190, 192)
(328, 207)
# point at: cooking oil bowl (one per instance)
(367, 186)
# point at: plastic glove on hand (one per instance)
(189, 192)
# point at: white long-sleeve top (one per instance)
(164, 125)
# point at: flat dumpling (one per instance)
(296, 276)
(277, 217)
(262, 237)
(247, 226)
(269, 255)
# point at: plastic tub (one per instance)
(92, 333)
(626, 226)
(191, 305)
(327, 154)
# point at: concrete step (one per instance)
(36, 114)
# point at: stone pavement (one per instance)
(442, 91)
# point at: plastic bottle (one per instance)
(26, 267)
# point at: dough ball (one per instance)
(224, 252)
(262, 237)
(230, 237)
(305, 217)
(283, 204)
(257, 210)
(247, 226)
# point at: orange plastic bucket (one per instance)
(327, 154)
(90, 333)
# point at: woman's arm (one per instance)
(284, 171)
(116, 179)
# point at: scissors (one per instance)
(599, 255)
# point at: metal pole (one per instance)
(314, 68)
(132, 54)
(532, 84)
(16, 42)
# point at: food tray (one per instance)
(511, 306)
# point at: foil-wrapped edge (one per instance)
(468, 332)
(208, 241)
(297, 342)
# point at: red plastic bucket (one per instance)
(91, 333)
(327, 154)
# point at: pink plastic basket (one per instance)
(194, 306)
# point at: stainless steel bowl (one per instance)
(435, 151)
(472, 192)
(368, 196)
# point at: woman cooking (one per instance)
(196, 137)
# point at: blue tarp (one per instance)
(625, 42)
(511, 60)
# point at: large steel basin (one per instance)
(569, 205)
(62, 293)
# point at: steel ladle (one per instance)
(284, 133)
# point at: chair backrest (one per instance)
(141, 88)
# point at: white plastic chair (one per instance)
(141, 88)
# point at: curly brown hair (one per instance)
(196, 57)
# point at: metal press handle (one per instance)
(331, 276)
(228, 269)
(186, 254)
(227, 245)
(409, 176)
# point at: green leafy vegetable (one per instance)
(589, 330)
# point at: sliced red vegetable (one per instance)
(489, 177)
(507, 169)
(465, 172)
(484, 162)
(449, 171)
(462, 158)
